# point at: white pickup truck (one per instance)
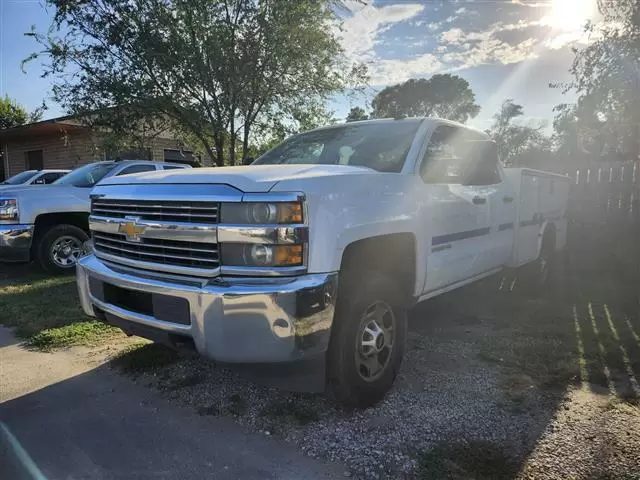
(49, 224)
(315, 252)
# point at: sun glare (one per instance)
(571, 14)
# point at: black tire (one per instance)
(48, 259)
(356, 296)
(540, 276)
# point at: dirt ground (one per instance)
(496, 383)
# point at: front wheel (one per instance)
(60, 248)
(367, 341)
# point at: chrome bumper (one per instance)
(15, 242)
(242, 320)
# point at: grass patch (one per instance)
(81, 333)
(465, 461)
(46, 312)
(145, 357)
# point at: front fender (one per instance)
(52, 200)
(361, 208)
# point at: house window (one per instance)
(34, 160)
(180, 156)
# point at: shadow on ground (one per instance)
(100, 425)
(485, 374)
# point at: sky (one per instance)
(503, 48)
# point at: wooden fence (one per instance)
(604, 219)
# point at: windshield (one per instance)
(20, 178)
(86, 176)
(381, 146)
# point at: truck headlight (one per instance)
(8, 209)
(261, 213)
(259, 255)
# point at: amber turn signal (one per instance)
(290, 213)
(288, 255)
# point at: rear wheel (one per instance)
(60, 248)
(367, 341)
(540, 275)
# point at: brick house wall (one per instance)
(60, 150)
(68, 149)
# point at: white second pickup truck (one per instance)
(315, 252)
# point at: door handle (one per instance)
(479, 200)
(507, 199)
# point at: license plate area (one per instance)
(162, 307)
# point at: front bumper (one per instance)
(237, 320)
(15, 242)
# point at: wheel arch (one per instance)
(547, 237)
(393, 254)
(46, 221)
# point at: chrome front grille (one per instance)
(178, 237)
(167, 252)
(162, 211)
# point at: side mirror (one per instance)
(248, 161)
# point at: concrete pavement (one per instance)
(78, 419)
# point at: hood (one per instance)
(49, 192)
(250, 179)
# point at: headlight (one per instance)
(8, 209)
(261, 213)
(259, 255)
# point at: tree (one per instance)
(215, 68)
(445, 96)
(518, 144)
(607, 79)
(356, 114)
(13, 115)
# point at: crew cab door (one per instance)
(455, 214)
(486, 175)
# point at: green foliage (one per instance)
(445, 96)
(81, 333)
(357, 113)
(13, 115)
(215, 69)
(606, 118)
(518, 144)
(44, 311)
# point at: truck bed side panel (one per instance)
(542, 201)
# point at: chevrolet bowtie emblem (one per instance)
(132, 229)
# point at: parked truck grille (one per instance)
(167, 252)
(126, 231)
(162, 211)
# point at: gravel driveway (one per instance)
(487, 389)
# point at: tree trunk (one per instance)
(232, 139)
(245, 140)
(219, 142)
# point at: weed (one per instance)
(81, 333)
(46, 312)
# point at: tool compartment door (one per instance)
(529, 220)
